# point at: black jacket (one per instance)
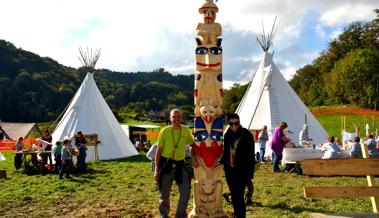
(245, 151)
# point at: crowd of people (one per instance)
(63, 153)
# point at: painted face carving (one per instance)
(209, 16)
(208, 113)
(208, 57)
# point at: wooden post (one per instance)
(370, 180)
(344, 122)
(357, 130)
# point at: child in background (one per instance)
(58, 156)
(356, 151)
(66, 159)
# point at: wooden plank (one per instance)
(344, 215)
(370, 181)
(340, 192)
(341, 167)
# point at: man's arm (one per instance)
(157, 159)
(194, 161)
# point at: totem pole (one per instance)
(208, 124)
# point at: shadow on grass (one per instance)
(296, 209)
(140, 158)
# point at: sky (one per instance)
(144, 35)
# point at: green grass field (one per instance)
(125, 188)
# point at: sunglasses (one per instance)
(234, 123)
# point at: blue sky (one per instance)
(146, 35)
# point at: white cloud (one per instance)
(320, 32)
(145, 35)
(347, 13)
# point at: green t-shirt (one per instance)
(169, 137)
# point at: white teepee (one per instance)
(270, 99)
(88, 112)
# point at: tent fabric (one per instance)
(88, 112)
(1, 157)
(15, 130)
(270, 99)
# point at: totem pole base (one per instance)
(201, 212)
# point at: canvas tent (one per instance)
(12, 131)
(269, 99)
(88, 112)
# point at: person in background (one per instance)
(66, 159)
(80, 142)
(58, 156)
(46, 156)
(371, 145)
(18, 146)
(356, 150)
(239, 162)
(262, 139)
(331, 149)
(137, 145)
(338, 143)
(277, 145)
(169, 164)
(304, 139)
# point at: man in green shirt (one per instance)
(169, 164)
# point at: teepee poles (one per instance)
(89, 58)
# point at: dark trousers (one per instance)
(237, 184)
(47, 157)
(81, 164)
(66, 168)
(249, 189)
(275, 161)
(18, 161)
(58, 162)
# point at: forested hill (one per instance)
(347, 72)
(36, 89)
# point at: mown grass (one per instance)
(125, 188)
(332, 123)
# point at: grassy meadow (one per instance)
(125, 188)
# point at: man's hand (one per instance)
(195, 162)
(156, 175)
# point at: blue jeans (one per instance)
(262, 154)
(275, 161)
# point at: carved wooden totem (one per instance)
(208, 129)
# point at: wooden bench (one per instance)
(344, 167)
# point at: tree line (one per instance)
(37, 89)
(347, 72)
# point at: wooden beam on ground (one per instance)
(341, 167)
(371, 181)
(340, 192)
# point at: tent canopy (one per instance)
(269, 100)
(88, 112)
(15, 130)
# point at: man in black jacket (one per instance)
(238, 160)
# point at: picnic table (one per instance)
(33, 155)
(293, 155)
